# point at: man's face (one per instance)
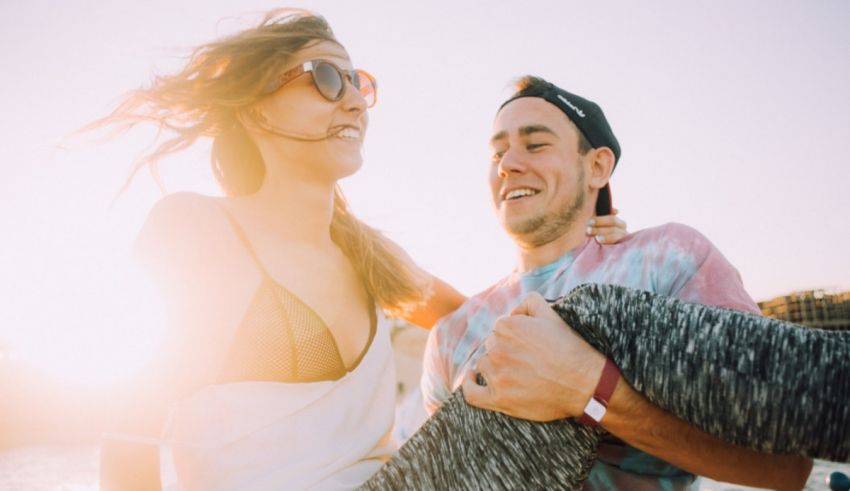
(537, 177)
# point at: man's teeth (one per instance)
(349, 134)
(519, 193)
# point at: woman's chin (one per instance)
(347, 167)
(335, 165)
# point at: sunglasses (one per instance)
(329, 80)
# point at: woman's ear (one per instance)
(251, 118)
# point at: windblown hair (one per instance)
(532, 84)
(220, 83)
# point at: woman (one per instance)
(279, 363)
(277, 282)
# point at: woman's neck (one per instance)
(292, 208)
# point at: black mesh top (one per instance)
(282, 339)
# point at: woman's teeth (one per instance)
(349, 134)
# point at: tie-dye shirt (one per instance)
(672, 259)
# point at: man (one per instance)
(553, 153)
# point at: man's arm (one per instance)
(643, 425)
(528, 379)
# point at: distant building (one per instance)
(814, 308)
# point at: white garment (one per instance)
(328, 435)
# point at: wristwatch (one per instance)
(598, 403)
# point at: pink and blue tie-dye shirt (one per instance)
(673, 260)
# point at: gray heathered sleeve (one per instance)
(753, 381)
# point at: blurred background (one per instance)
(732, 116)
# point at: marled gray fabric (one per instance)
(753, 381)
(463, 447)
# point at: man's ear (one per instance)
(601, 167)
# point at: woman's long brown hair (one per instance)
(223, 79)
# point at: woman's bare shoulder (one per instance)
(177, 214)
(181, 230)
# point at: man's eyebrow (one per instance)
(524, 131)
(498, 136)
(536, 128)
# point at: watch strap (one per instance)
(598, 403)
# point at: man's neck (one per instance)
(533, 257)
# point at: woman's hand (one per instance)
(607, 229)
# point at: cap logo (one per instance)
(571, 105)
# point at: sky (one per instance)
(733, 118)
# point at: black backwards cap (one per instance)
(587, 116)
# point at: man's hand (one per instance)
(535, 366)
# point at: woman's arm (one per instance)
(127, 465)
(186, 249)
(442, 300)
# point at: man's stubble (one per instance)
(548, 226)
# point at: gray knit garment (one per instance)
(463, 447)
(750, 380)
(754, 381)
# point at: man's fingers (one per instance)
(475, 394)
(531, 305)
(534, 305)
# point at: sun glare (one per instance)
(82, 312)
(103, 323)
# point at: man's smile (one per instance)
(518, 193)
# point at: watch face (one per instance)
(595, 409)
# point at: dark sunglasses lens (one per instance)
(328, 81)
(355, 79)
(365, 84)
